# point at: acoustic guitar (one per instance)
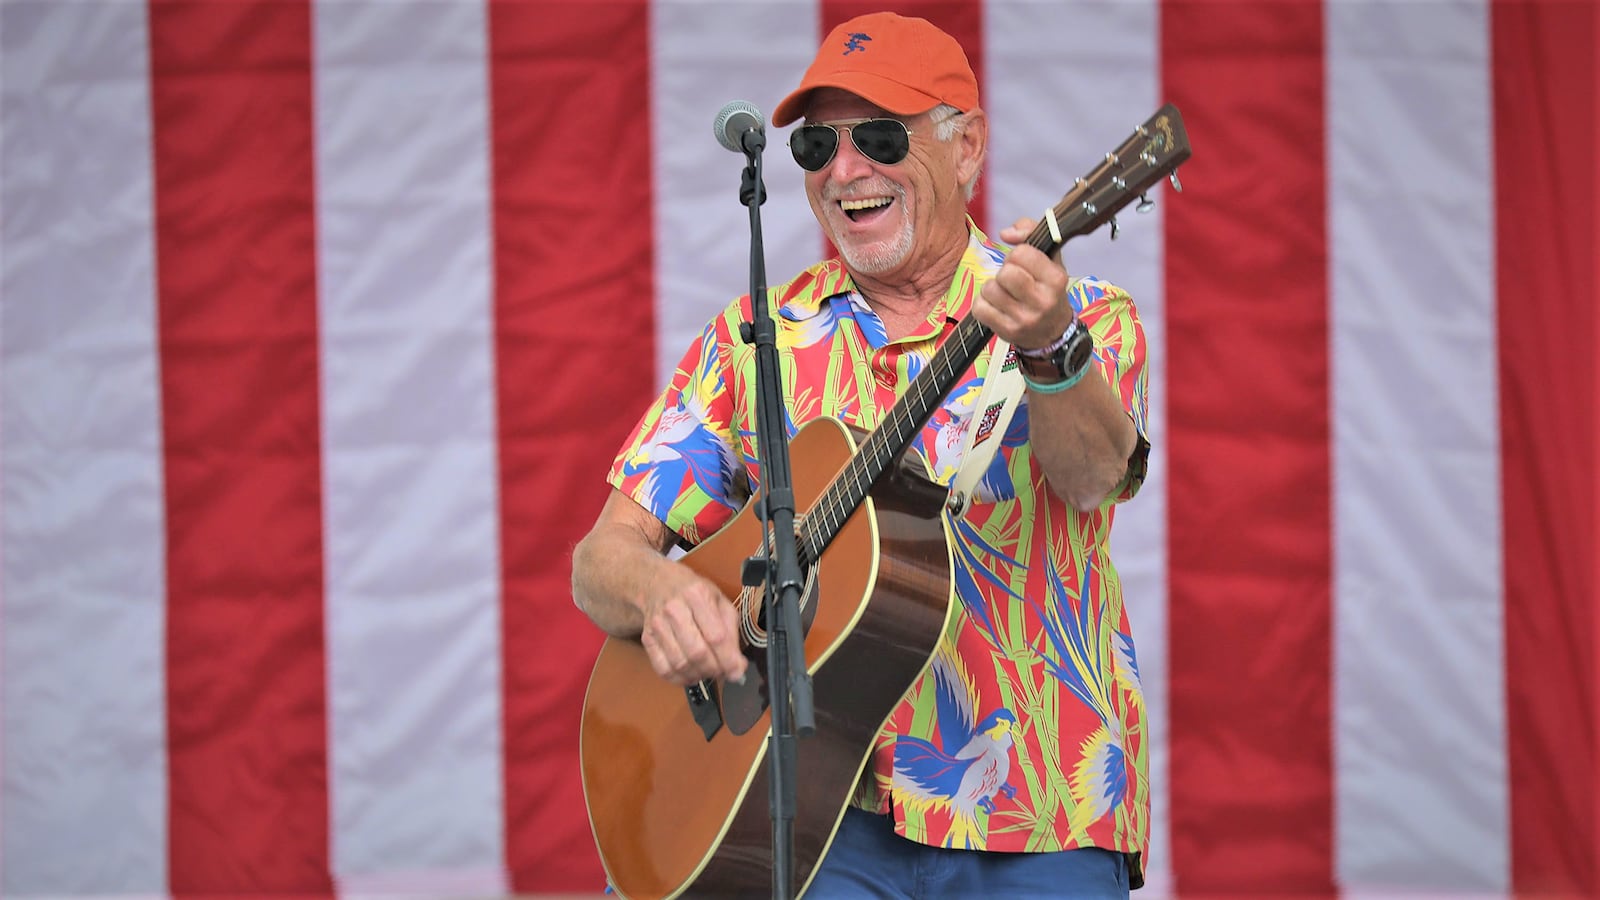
(681, 806)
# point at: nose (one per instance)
(847, 164)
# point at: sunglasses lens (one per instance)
(884, 141)
(813, 146)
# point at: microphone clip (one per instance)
(749, 183)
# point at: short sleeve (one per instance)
(1113, 320)
(681, 460)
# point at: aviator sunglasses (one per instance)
(884, 141)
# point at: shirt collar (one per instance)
(804, 297)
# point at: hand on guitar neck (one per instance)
(1026, 302)
(1081, 437)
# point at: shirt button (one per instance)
(883, 367)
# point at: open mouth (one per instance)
(865, 210)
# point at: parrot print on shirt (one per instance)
(966, 765)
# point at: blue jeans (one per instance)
(868, 859)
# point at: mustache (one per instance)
(863, 187)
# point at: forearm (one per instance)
(1082, 439)
(624, 583)
(608, 582)
(615, 565)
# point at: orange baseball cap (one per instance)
(905, 65)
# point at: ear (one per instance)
(972, 144)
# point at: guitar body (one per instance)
(673, 812)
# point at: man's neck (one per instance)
(903, 303)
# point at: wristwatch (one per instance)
(1064, 359)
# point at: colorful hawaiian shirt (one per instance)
(1027, 731)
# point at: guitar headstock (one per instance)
(1152, 152)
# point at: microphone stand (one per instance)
(788, 682)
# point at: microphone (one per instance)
(737, 120)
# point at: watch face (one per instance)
(1077, 352)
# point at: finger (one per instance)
(1018, 231)
(1028, 289)
(665, 657)
(698, 659)
(1041, 267)
(994, 307)
(1021, 309)
(704, 636)
(720, 629)
(713, 645)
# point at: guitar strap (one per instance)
(992, 416)
(996, 405)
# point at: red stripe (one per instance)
(235, 253)
(1544, 77)
(1249, 506)
(574, 344)
(961, 19)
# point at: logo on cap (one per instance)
(855, 44)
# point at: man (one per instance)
(1026, 735)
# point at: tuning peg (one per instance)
(1176, 184)
(1145, 203)
(1113, 228)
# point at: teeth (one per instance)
(853, 205)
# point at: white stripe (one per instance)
(1420, 733)
(409, 456)
(85, 788)
(1053, 116)
(704, 54)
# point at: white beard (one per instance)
(876, 258)
(879, 257)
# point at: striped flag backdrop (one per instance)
(322, 321)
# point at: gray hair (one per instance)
(947, 123)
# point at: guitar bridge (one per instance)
(703, 706)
